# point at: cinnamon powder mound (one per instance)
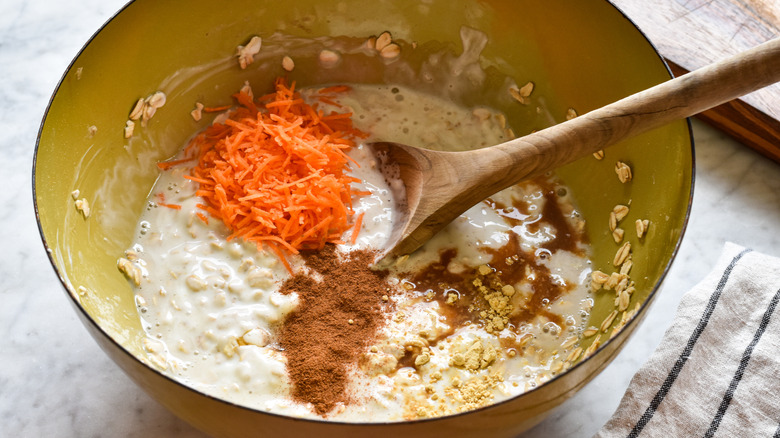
(336, 320)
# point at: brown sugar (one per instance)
(335, 322)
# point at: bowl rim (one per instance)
(99, 329)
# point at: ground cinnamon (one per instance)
(336, 320)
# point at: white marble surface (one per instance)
(55, 381)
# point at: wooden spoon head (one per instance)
(426, 187)
(403, 171)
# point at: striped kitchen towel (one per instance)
(716, 372)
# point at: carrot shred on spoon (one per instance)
(275, 172)
(165, 165)
(356, 229)
(161, 196)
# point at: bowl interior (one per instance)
(580, 55)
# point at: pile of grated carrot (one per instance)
(276, 171)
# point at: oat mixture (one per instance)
(494, 305)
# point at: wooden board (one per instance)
(693, 33)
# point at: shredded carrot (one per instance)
(173, 206)
(165, 165)
(161, 201)
(335, 89)
(281, 256)
(329, 101)
(275, 172)
(202, 217)
(215, 109)
(356, 228)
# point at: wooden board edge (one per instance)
(745, 123)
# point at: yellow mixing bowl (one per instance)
(580, 54)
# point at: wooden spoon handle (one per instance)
(672, 100)
(442, 185)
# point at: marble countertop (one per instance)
(55, 381)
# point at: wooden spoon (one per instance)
(442, 185)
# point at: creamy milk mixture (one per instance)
(489, 308)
